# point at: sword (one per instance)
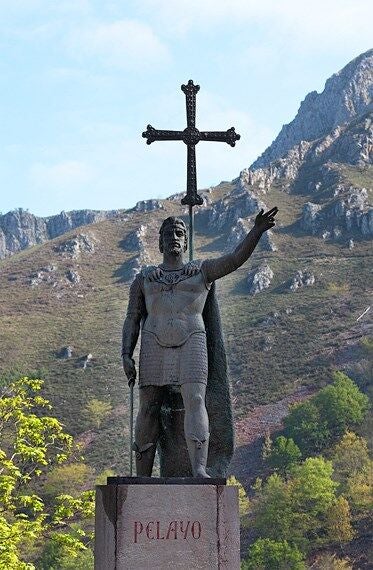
(131, 384)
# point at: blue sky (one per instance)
(81, 79)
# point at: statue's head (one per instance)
(173, 236)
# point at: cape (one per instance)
(174, 459)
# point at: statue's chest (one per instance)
(172, 293)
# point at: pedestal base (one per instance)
(167, 526)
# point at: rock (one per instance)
(135, 239)
(67, 352)
(349, 212)
(301, 279)
(148, 205)
(347, 94)
(259, 279)
(73, 276)
(310, 217)
(42, 275)
(266, 241)
(237, 233)
(74, 247)
(87, 360)
(19, 229)
(225, 213)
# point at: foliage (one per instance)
(305, 426)
(102, 477)
(350, 456)
(96, 411)
(341, 404)
(284, 454)
(32, 444)
(273, 509)
(67, 479)
(354, 471)
(315, 423)
(243, 500)
(331, 562)
(338, 521)
(273, 555)
(56, 557)
(295, 509)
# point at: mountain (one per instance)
(293, 313)
(348, 94)
(19, 229)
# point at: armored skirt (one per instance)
(163, 366)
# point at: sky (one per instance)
(81, 79)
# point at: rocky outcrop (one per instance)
(74, 247)
(301, 279)
(347, 94)
(19, 229)
(73, 277)
(237, 233)
(259, 279)
(226, 213)
(148, 205)
(136, 241)
(348, 212)
(43, 275)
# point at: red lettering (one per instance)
(196, 530)
(149, 530)
(159, 537)
(184, 532)
(172, 527)
(138, 528)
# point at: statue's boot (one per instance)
(144, 459)
(198, 452)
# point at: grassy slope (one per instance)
(35, 323)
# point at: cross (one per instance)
(191, 136)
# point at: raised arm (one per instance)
(215, 268)
(136, 310)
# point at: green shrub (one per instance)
(266, 554)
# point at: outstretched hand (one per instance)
(265, 221)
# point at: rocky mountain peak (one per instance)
(347, 94)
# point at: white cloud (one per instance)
(124, 43)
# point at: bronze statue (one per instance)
(169, 303)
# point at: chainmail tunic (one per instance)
(173, 347)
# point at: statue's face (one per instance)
(174, 239)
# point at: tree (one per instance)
(243, 500)
(336, 408)
(350, 456)
(338, 521)
(273, 512)
(273, 555)
(331, 562)
(284, 454)
(341, 404)
(96, 411)
(305, 426)
(32, 444)
(67, 479)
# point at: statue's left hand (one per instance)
(265, 221)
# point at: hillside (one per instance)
(290, 315)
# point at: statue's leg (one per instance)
(147, 428)
(196, 426)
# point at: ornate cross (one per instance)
(191, 136)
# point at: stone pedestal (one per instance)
(160, 524)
